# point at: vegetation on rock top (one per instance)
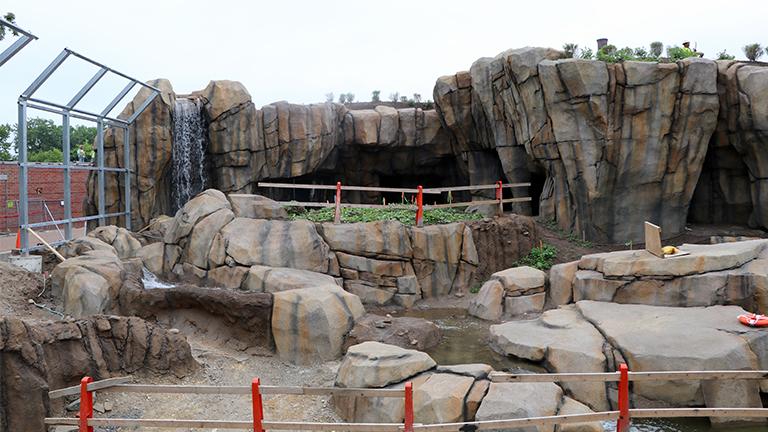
(395, 212)
(541, 257)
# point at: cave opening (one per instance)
(302, 195)
(538, 178)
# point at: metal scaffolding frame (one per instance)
(24, 39)
(67, 111)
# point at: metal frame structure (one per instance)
(24, 39)
(68, 110)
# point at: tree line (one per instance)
(348, 98)
(44, 141)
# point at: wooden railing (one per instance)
(87, 387)
(419, 192)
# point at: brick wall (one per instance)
(45, 186)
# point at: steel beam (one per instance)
(143, 106)
(47, 72)
(100, 166)
(77, 110)
(73, 115)
(23, 198)
(16, 29)
(127, 176)
(86, 88)
(12, 50)
(118, 98)
(94, 62)
(67, 177)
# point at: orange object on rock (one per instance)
(753, 320)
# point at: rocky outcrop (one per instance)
(598, 336)
(404, 332)
(310, 324)
(36, 357)
(515, 291)
(734, 273)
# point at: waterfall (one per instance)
(151, 281)
(188, 153)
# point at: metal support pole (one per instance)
(127, 166)
(23, 177)
(622, 424)
(258, 408)
(420, 207)
(86, 405)
(67, 176)
(100, 165)
(337, 212)
(408, 407)
(499, 196)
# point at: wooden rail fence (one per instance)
(87, 387)
(420, 191)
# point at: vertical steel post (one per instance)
(499, 196)
(408, 407)
(258, 408)
(100, 166)
(67, 175)
(127, 166)
(622, 424)
(420, 207)
(337, 211)
(86, 405)
(23, 209)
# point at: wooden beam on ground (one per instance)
(51, 248)
(698, 412)
(501, 377)
(96, 385)
(246, 390)
(518, 423)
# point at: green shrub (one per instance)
(570, 50)
(676, 53)
(475, 289)
(753, 51)
(51, 155)
(541, 257)
(587, 53)
(396, 212)
(656, 49)
(607, 54)
(723, 55)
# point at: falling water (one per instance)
(151, 281)
(188, 155)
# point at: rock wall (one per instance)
(605, 146)
(36, 357)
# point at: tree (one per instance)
(723, 55)
(343, 98)
(375, 96)
(753, 51)
(350, 97)
(5, 142)
(329, 97)
(656, 49)
(42, 135)
(81, 135)
(11, 18)
(417, 98)
(394, 96)
(570, 50)
(403, 99)
(586, 53)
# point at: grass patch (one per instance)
(475, 288)
(541, 257)
(394, 212)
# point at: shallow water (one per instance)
(465, 340)
(151, 281)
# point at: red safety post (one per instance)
(337, 212)
(86, 405)
(420, 207)
(499, 196)
(258, 408)
(408, 407)
(622, 425)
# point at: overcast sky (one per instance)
(300, 50)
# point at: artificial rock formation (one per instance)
(515, 291)
(37, 357)
(606, 146)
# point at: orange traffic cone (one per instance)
(18, 238)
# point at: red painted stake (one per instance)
(86, 405)
(408, 407)
(622, 425)
(258, 408)
(499, 197)
(420, 207)
(337, 212)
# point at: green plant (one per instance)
(570, 49)
(578, 241)
(375, 96)
(541, 257)
(475, 289)
(676, 53)
(350, 97)
(723, 55)
(397, 212)
(753, 51)
(607, 54)
(656, 49)
(641, 53)
(11, 18)
(51, 155)
(586, 53)
(343, 98)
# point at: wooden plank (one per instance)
(354, 427)
(325, 391)
(500, 377)
(697, 375)
(343, 188)
(179, 389)
(473, 203)
(319, 204)
(96, 385)
(229, 424)
(296, 186)
(474, 187)
(653, 239)
(698, 412)
(519, 423)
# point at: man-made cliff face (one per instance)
(605, 146)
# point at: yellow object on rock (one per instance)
(669, 250)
